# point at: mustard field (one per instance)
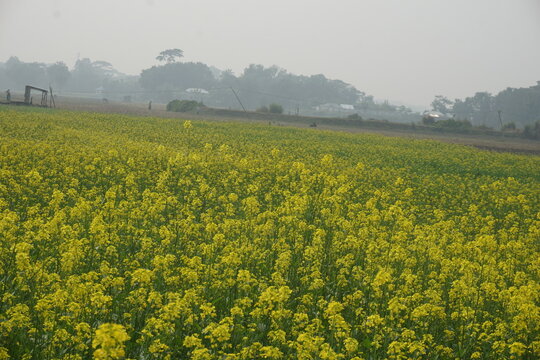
(143, 238)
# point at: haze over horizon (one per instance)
(405, 52)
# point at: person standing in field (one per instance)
(150, 105)
(8, 96)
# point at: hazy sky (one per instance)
(405, 51)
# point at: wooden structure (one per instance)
(28, 98)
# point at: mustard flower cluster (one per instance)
(143, 238)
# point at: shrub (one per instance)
(275, 109)
(184, 105)
(454, 124)
(428, 120)
(509, 126)
(263, 109)
(354, 117)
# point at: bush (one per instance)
(263, 109)
(354, 117)
(275, 109)
(454, 124)
(509, 126)
(184, 105)
(428, 120)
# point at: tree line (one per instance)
(512, 107)
(256, 87)
(86, 76)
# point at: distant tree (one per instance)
(261, 85)
(58, 74)
(479, 109)
(275, 109)
(442, 104)
(105, 68)
(532, 131)
(170, 55)
(114, 87)
(263, 109)
(483, 106)
(521, 106)
(177, 77)
(20, 73)
(85, 76)
(228, 78)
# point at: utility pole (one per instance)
(52, 102)
(237, 98)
